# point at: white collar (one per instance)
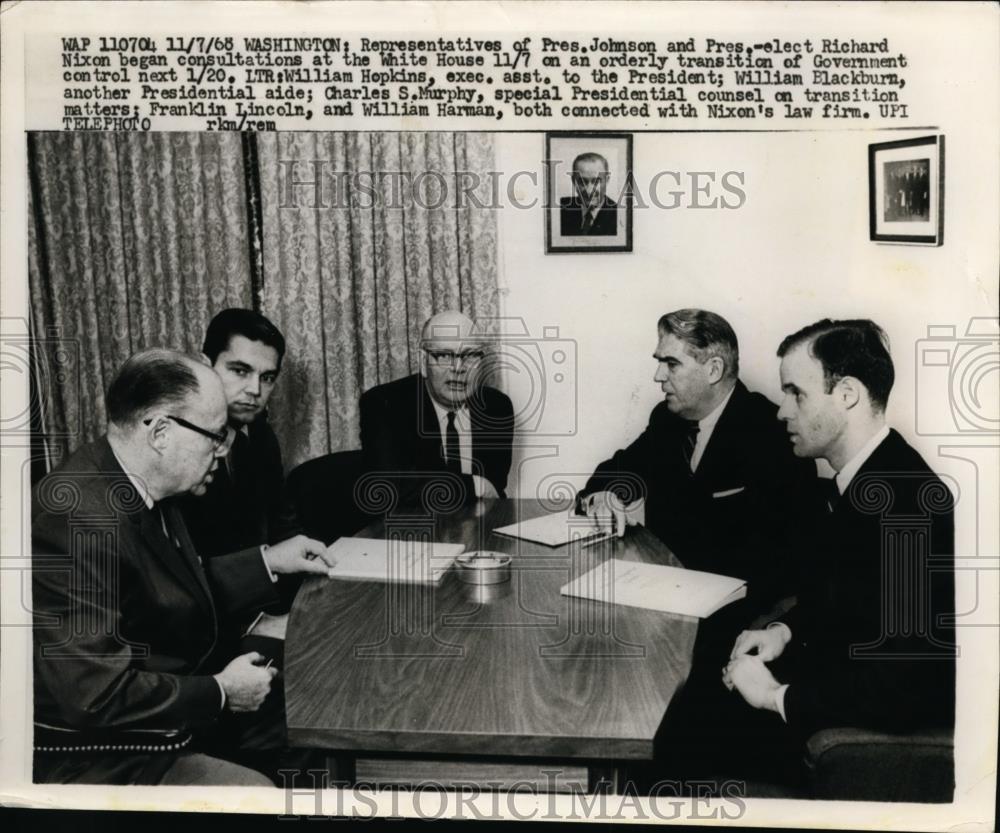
(707, 423)
(846, 474)
(442, 412)
(140, 485)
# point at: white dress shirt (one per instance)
(846, 474)
(463, 425)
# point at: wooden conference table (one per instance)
(402, 683)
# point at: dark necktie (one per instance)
(830, 492)
(452, 455)
(168, 526)
(238, 456)
(689, 439)
(587, 221)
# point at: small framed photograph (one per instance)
(588, 192)
(906, 191)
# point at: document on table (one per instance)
(395, 560)
(657, 587)
(555, 529)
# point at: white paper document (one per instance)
(404, 561)
(657, 587)
(554, 530)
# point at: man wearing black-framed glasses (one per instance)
(129, 669)
(444, 421)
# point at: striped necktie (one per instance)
(689, 439)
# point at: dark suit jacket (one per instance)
(125, 621)
(253, 510)
(741, 513)
(873, 646)
(401, 436)
(571, 218)
(236, 516)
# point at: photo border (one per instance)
(552, 205)
(874, 150)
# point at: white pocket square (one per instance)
(729, 492)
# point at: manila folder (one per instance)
(396, 560)
(657, 587)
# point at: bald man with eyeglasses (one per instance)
(442, 423)
(131, 676)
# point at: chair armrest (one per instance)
(863, 765)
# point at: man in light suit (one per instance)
(722, 487)
(870, 642)
(441, 424)
(129, 675)
(589, 211)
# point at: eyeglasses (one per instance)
(447, 357)
(220, 439)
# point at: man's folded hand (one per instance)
(751, 678)
(246, 682)
(768, 643)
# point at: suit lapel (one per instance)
(255, 485)
(717, 459)
(188, 572)
(477, 427)
(430, 429)
(879, 461)
(176, 561)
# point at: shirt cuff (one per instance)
(787, 630)
(270, 575)
(779, 700)
(222, 691)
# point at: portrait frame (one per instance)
(610, 228)
(906, 191)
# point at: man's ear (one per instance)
(849, 389)
(158, 433)
(716, 369)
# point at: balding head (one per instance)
(167, 417)
(153, 379)
(452, 352)
(449, 326)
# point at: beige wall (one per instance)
(796, 251)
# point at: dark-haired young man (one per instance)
(870, 642)
(129, 672)
(245, 506)
(245, 509)
(873, 629)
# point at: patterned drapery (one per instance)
(136, 240)
(365, 237)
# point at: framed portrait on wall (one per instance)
(588, 192)
(906, 191)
